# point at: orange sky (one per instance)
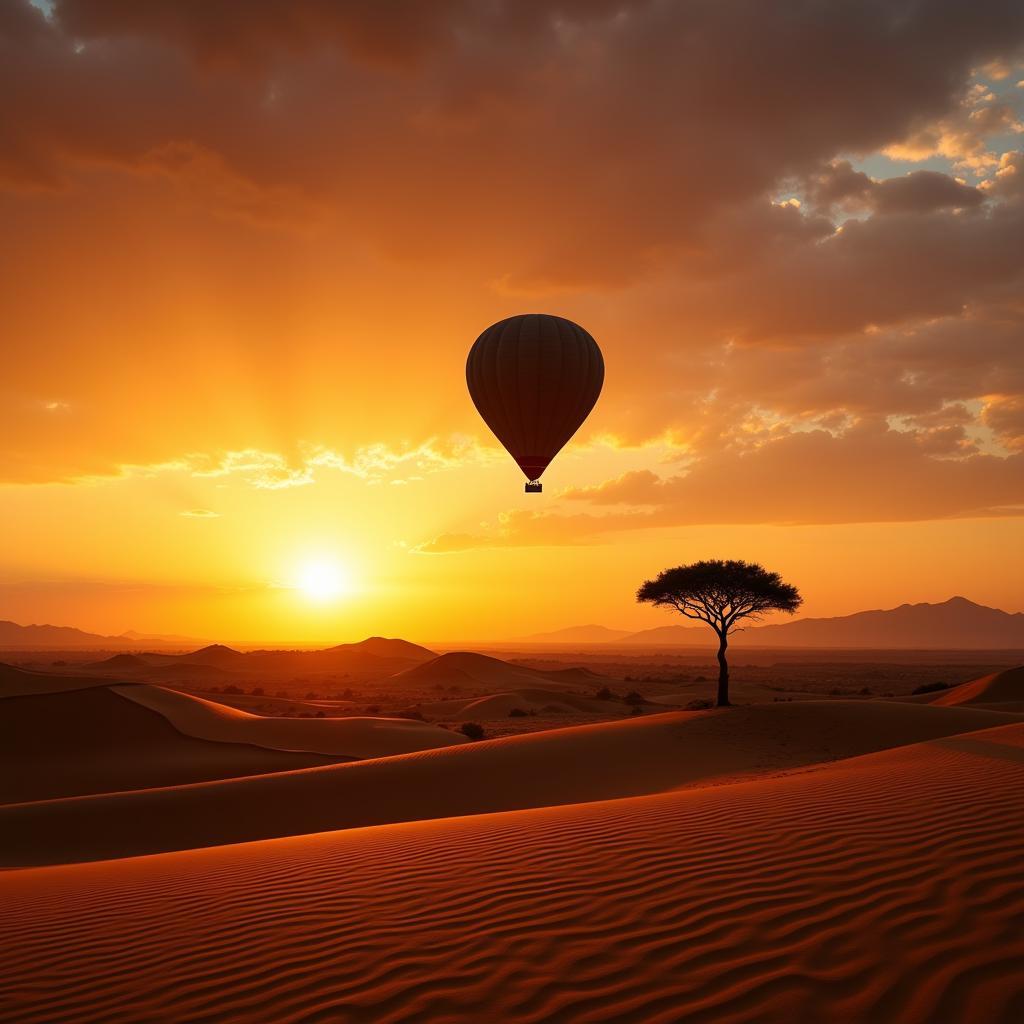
(244, 261)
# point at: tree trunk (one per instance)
(723, 671)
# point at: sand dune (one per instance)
(94, 741)
(498, 705)
(348, 737)
(17, 682)
(206, 720)
(631, 757)
(1000, 688)
(884, 888)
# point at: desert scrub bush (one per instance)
(472, 730)
(930, 688)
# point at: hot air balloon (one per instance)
(534, 379)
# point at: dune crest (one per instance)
(610, 760)
(78, 742)
(999, 688)
(345, 737)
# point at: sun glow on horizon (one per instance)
(323, 581)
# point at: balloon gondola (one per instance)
(534, 379)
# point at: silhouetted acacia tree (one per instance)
(720, 594)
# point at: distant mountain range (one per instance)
(44, 637)
(164, 638)
(956, 624)
(375, 656)
(578, 635)
(67, 638)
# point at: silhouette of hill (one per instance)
(591, 634)
(955, 624)
(44, 637)
(385, 647)
(120, 663)
(161, 638)
(57, 637)
(480, 672)
(216, 655)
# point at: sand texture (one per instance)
(883, 888)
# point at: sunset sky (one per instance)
(244, 256)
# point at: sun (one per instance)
(323, 581)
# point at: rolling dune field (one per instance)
(886, 887)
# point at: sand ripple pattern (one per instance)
(884, 889)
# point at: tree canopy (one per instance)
(721, 593)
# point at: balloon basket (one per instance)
(533, 487)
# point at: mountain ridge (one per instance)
(957, 623)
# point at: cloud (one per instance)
(204, 177)
(963, 133)
(868, 474)
(263, 470)
(272, 471)
(200, 513)
(914, 192)
(652, 113)
(1008, 179)
(293, 223)
(1005, 415)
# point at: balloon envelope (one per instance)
(534, 379)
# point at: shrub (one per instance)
(633, 698)
(637, 710)
(517, 713)
(930, 688)
(604, 694)
(258, 691)
(472, 730)
(319, 714)
(701, 704)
